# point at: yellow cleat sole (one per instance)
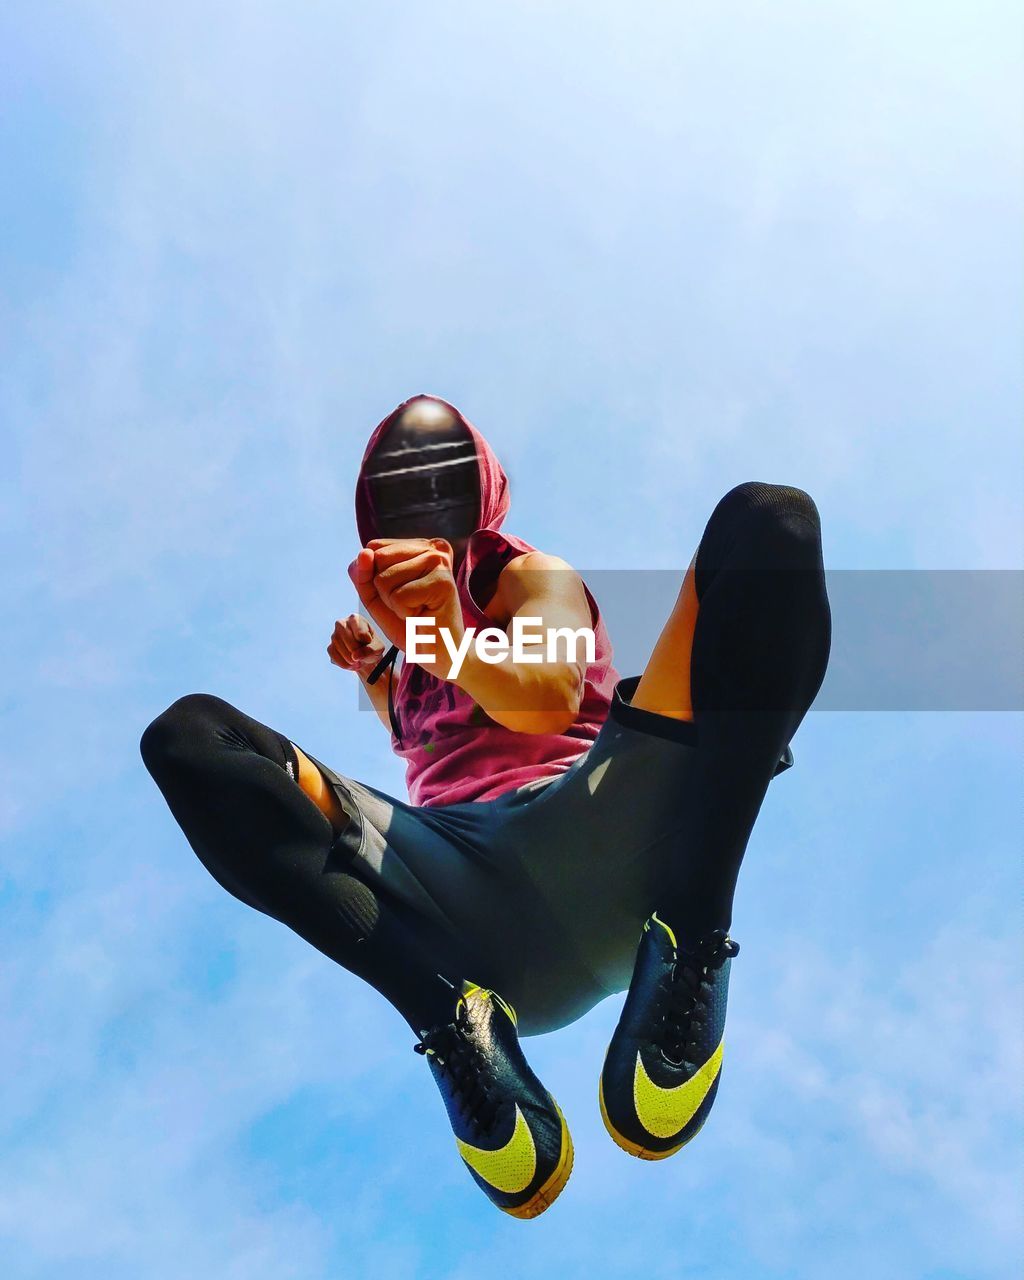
(552, 1189)
(633, 1148)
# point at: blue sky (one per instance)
(652, 252)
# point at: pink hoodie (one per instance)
(454, 751)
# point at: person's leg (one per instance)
(313, 784)
(743, 654)
(750, 636)
(233, 786)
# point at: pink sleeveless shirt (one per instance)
(454, 751)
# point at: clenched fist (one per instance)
(354, 646)
(400, 578)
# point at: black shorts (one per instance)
(542, 892)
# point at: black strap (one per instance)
(388, 660)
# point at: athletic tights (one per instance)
(760, 649)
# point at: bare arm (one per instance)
(353, 647)
(401, 578)
(539, 697)
(378, 694)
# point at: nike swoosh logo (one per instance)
(511, 1167)
(664, 1112)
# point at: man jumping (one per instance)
(569, 834)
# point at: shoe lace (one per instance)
(685, 1004)
(467, 1069)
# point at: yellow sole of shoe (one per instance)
(633, 1148)
(552, 1189)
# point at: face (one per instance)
(424, 477)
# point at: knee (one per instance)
(760, 526)
(775, 513)
(769, 504)
(178, 731)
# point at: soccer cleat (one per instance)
(663, 1064)
(509, 1130)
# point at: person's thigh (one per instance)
(599, 844)
(760, 556)
(459, 869)
(594, 842)
(664, 686)
(231, 783)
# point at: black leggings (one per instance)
(760, 650)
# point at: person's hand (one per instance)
(400, 578)
(354, 645)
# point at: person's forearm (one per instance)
(378, 693)
(539, 697)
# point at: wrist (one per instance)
(365, 670)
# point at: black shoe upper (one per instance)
(671, 1030)
(506, 1124)
(468, 1058)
